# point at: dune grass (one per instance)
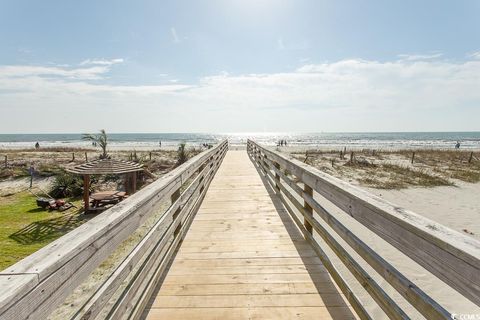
(393, 169)
(25, 228)
(390, 176)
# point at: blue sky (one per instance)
(236, 65)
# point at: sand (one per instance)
(456, 207)
(12, 186)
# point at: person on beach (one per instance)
(37, 145)
(457, 145)
(159, 143)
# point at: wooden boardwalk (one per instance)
(249, 252)
(244, 258)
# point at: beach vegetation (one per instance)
(100, 139)
(397, 169)
(182, 153)
(68, 185)
(392, 176)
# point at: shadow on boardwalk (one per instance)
(324, 286)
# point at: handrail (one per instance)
(36, 285)
(447, 254)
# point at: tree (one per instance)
(100, 139)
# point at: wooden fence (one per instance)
(35, 286)
(452, 257)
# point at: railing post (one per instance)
(308, 210)
(277, 176)
(174, 197)
(265, 165)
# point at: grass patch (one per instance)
(390, 176)
(471, 176)
(452, 164)
(393, 169)
(25, 228)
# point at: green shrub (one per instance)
(182, 154)
(67, 185)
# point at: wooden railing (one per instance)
(35, 286)
(447, 254)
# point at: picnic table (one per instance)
(106, 197)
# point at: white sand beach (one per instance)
(457, 207)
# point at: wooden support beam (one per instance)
(174, 198)
(308, 209)
(277, 177)
(134, 182)
(86, 192)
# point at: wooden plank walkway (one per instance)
(243, 258)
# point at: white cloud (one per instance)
(346, 95)
(413, 57)
(88, 73)
(102, 62)
(474, 55)
(175, 37)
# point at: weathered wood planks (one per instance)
(243, 258)
(451, 256)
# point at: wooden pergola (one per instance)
(102, 167)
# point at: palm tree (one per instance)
(100, 139)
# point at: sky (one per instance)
(239, 66)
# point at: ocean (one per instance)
(144, 141)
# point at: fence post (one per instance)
(150, 156)
(73, 156)
(134, 182)
(413, 156)
(469, 159)
(6, 161)
(86, 157)
(308, 210)
(174, 197)
(277, 176)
